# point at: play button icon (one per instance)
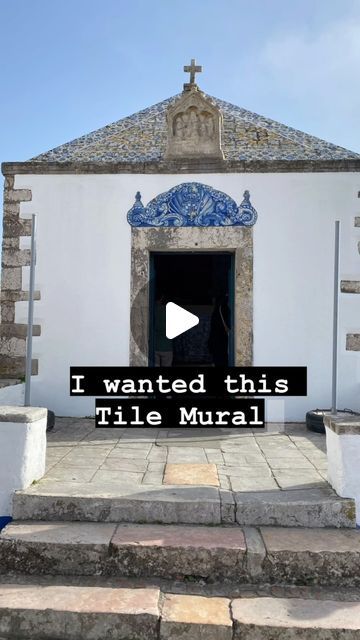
(178, 320)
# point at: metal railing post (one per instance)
(30, 315)
(335, 318)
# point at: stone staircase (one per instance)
(76, 579)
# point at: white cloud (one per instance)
(322, 63)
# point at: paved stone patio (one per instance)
(240, 460)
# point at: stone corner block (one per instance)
(22, 414)
(353, 342)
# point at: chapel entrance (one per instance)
(202, 283)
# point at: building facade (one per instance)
(193, 194)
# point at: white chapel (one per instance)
(193, 199)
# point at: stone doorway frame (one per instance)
(196, 239)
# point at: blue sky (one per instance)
(71, 66)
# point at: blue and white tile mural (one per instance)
(192, 204)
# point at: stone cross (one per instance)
(192, 69)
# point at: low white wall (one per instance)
(22, 451)
(13, 395)
(343, 454)
(83, 273)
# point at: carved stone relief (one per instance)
(194, 127)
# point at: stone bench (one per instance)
(343, 453)
(22, 451)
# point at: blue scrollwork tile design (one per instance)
(192, 204)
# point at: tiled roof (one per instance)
(246, 136)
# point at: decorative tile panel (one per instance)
(192, 204)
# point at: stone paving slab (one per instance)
(195, 618)
(295, 618)
(191, 474)
(242, 461)
(235, 452)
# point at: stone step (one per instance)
(167, 504)
(76, 612)
(224, 553)
(48, 609)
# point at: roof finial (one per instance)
(192, 69)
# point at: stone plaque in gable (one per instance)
(194, 125)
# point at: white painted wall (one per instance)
(13, 395)
(343, 454)
(83, 273)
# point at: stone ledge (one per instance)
(12, 330)
(300, 166)
(14, 366)
(17, 195)
(22, 414)
(350, 286)
(341, 425)
(353, 342)
(9, 295)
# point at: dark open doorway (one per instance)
(202, 283)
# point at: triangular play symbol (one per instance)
(178, 320)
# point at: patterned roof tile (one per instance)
(246, 136)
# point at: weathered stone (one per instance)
(10, 208)
(353, 342)
(16, 296)
(298, 508)
(118, 464)
(343, 424)
(16, 227)
(308, 556)
(128, 454)
(17, 330)
(11, 278)
(298, 478)
(191, 474)
(11, 243)
(227, 506)
(195, 618)
(7, 310)
(125, 503)
(12, 346)
(255, 553)
(194, 127)
(253, 483)
(21, 414)
(214, 553)
(350, 286)
(15, 257)
(57, 548)
(303, 619)
(66, 611)
(19, 195)
(14, 367)
(182, 166)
